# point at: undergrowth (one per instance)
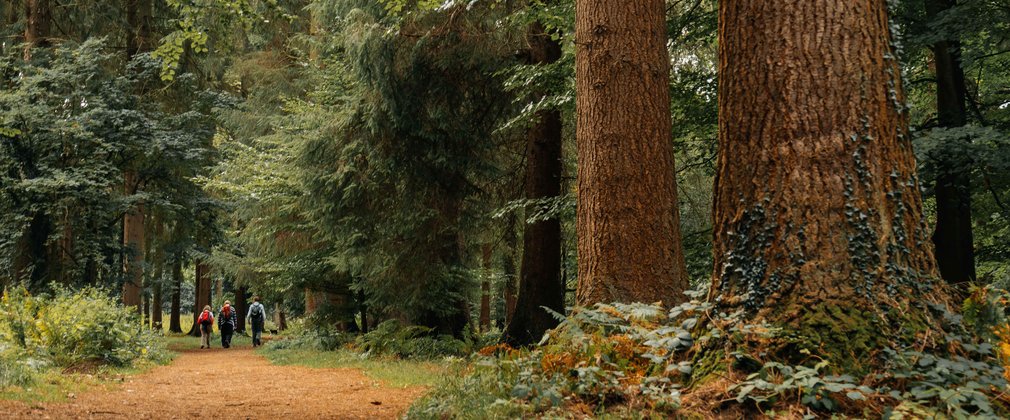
(69, 332)
(641, 361)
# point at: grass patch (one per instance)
(56, 385)
(391, 371)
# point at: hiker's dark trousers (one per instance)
(257, 335)
(226, 332)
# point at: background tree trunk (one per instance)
(952, 237)
(539, 283)
(37, 25)
(485, 288)
(203, 286)
(628, 221)
(133, 239)
(242, 306)
(818, 214)
(174, 317)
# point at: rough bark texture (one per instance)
(203, 287)
(174, 317)
(953, 237)
(133, 239)
(509, 271)
(628, 222)
(817, 209)
(539, 283)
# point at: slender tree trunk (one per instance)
(310, 301)
(539, 283)
(817, 210)
(363, 308)
(485, 289)
(628, 222)
(203, 287)
(133, 239)
(175, 317)
(953, 237)
(156, 309)
(509, 271)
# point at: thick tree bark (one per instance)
(539, 283)
(952, 237)
(133, 239)
(203, 287)
(175, 317)
(817, 211)
(628, 221)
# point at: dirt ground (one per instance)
(230, 384)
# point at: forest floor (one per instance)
(230, 383)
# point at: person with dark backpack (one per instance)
(206, 323)
(256, 317)
(227, 319)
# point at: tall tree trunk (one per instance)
(817, 210)
(139, 19)
(203, 286)
(133, 239)
(628, 221)
(539, 283)
(175, 317)
(156, 309)
(953, 237)
(38, 21)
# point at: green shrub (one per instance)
(74, 328)
(390, 338)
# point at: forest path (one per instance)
(231, 383)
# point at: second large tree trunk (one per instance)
(953, 237)
(539, 283)
(818, 215)
(628, 222)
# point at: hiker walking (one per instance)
(227, 319)
(206, 323)
(256, 317)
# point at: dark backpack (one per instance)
(257, 312)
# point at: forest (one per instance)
(507, 209)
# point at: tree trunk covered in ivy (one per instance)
(539, 283)
(203, 287)
(817, 211)
(628, 222)
(133, 241)
(952, 237)
(174, 317)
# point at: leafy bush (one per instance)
(70, 329)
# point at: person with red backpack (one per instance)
(206, 323)
(227, 319)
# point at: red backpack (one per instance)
(205, 318)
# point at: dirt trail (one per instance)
(231, 383)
